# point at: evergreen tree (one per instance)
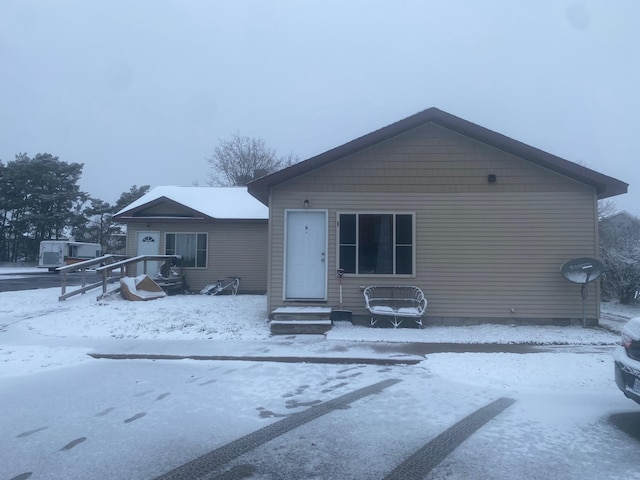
(39, 196)
(127, 198)
(95, 222)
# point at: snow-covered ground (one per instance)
(70, 415)
(55, 334)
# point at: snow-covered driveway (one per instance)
(140, 419)
(68, 415)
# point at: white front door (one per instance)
(148, 243)
(305, 258)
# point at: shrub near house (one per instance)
(620, 251)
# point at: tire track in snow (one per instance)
(210, 462)
(429, 456)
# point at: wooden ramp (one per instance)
(300, 320)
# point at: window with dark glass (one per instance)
(376, 243)
(192, 247)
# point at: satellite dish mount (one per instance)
(583, 271)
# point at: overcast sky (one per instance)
(141, 91)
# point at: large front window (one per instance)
(192, 247)
(376, 243)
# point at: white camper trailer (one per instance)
(58, 253)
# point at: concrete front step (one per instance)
(301, 313)
(297, 327)
(300, 320)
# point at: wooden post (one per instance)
(63, 283)
(104, 282)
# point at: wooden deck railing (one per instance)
(106, 266)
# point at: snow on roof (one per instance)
(216, 202)
(622, 213)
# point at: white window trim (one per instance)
(378, 212)
(206, 258)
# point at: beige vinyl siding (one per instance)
(239, 249)
(470, 265)
(483, 251)
(234, 249)
(478, 265)
(431, 159)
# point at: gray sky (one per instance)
(141, 91)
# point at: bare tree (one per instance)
(239, 160)
(606, 208)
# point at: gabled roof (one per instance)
(222, 203)
(622, 217)
(605, 186)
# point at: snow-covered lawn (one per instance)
(53, 333)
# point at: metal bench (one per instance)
(395, 303)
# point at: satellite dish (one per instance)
(582, 270)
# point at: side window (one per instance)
(348, 246)
(191, 246)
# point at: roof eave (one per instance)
(131, 213)
(260, 187)
(198, 220)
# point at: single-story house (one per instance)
(622, 223)
(219, 231)
(480, 222)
